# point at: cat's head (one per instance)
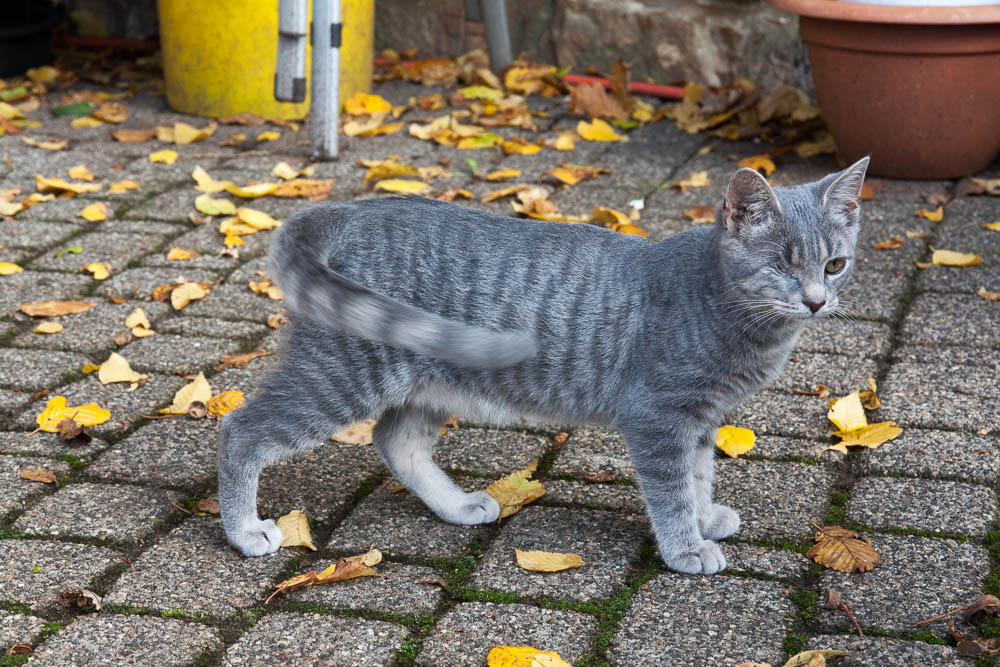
(786, 252)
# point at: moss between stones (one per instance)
(838, 508)
(794, 643)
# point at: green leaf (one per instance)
(78, 109)
(75, 249)
(473, 165)
(625, 124)
(13, 93)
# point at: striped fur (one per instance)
(410, 310)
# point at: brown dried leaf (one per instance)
(240, 360)
(545, 561)
(39, 474)
(590, 99)
(277, 320)
(841, 549)
(700, 213)
(207, 506)
(54, 308)
(602, 477)
(358, 433)
(895, 243)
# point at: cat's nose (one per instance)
(814, 305)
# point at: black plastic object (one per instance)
(25, 35)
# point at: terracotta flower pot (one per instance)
(918, 88)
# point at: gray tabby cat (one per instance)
(411, 310)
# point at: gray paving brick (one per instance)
(31, 286)
(14, 490)
(17, 628)
(922, 504)
(609, 545)
(127, 640)
(177, 451)
(467, 633)
(928, 453)
(875, 294)
(918, 577)
(763, 560)
(856, 337)
(488, 452)
(139, 283)
(207, 240)
(841, 374)
(617, 497)
(234, 303)
(672, 615)
(594, 451)
(215, 328)
(169, 353)
(399, 589)
(94, 330)
(312, 639)
(887, 652)
(194, 569)
(934, 320)
(784, 413)
(12, 401)
(35, 572)
(31, 370)
(941, 396)
(36, 235)
(113, 248)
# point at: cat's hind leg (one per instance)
(404, 437)
(715, 521)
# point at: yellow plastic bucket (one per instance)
(219, 57)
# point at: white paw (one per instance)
(719, 522)
(705, 558)
(256, 538)
(473, 509)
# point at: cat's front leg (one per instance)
(715, 521)
(664, 458)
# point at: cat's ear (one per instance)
(843, 195)
(749, 202)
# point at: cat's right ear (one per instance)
(749, 202)
(843, 195)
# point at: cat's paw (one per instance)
(473, 509)
(705, 558)
(718, 522)
(256, 538)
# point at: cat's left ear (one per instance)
(844, 194)
(749, 201)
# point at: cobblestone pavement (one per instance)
(175, 593)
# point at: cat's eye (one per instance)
(835, 265)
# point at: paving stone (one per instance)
(249, 379)
(175, 452)
(922, 504)
(918, 577)
(875, 294)
(704, 621)
(314, 639)
(774, 500)
(234, 303)
(125, 406)
(17, 628)
(210, 326)
(155, 227)
(114, 512)
(322, 481)
(168, 353)
(32, 370)
(887, 652)
(947, 355)
(941, 396)
(763, 560)
(36, 235)
(488, 452)
(399, 589)
(127, 640)
(467, 633)
(94, 330)
(112, 248)
(401, 525)
(32, 286)
(247, 271)
(952, 319)
(856, 337)
(36, 571)
(173, 205)
(960, 280)
(59, 210)
(779, 447)
(785, 413)
(927, 453)
(14, 490)
(207, 240)
(594, 451)
(609, 544)
(841, 374)
(12, 401)
(618, 497)
(139, 283)
(194, 569)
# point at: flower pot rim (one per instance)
(871, 13)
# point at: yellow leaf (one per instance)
(10, 207)
(122, 186)
(508, 191)
(347, 568)
(89, 368)
(166, 156)
(206, 183)
(699, 179)
(116, 369)
(9, 268)
(50, 145)
(94, 213)
(57, 183)
(847, 413)
(523, 656)
(233, 241)
(256, 219)
(251, 191)
(9, 111)
(56, 410)
(370, 127)
(564, 142)
(209, 206)
(185, 134)
(952, 258)
(81, 172)
(197, 390)
(516, 490)
(358, 433)
(285, 172)
(403, 186)
(266, 287)
(233, 226)
(85, 121)
(571, 174)
(225, 402)
(993, 226)
(758, 163)
(598, 130)
(363, 103)
(545, 561)
(813, 658)
(700, 213)
(519, 146)
(984, 293)
(49, 327)
(474, 142)
(142, 332)
(391, 167)
(270, 135)
(100, 270)
(933, 216)
(608, 217)
(735, 440)
(841, 550)
(184, 294)
(503, 174)
(179, 254)
(295, 530)
(871, 435)
(54, 308)
(111, 112)
(138, 318)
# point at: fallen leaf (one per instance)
(197, 410)
(164, 157)
(184, 294)
(94, 213)
(209, 206)
(39, 474)
(871, 435)
(370, 127)
(285, 172)
(251, 191)
(85, 122)
(614, 220)
(952, 258)
(503, 174)
(81, 172)
(823, 145)
(313, 189)
(840, 549)
(735, 440)
(342, 570)
(185, 134)
(598, 130)
(847, 413)
(698, 179)
(808, 658)
(179, 254)
(133, 136)
(363, 103)
(72, 433)
(270, 135)
(519, 146)
(49, 327)
(295, 530)
(56, 410)
(992, 226)
(225, 402)
(761, 163)
(869, 399)
(205, 183)
(523, 656)
(895, 243)
(277, 320)
(116, 369)
(571, 174)
(403, 186)
(984, 293)
(545, 561)
(50, 145)
(358, 433)
(43, 184)
(240, 360)
(242, 118)
(9, 268)
(197, 390)
(99, 270)
(89, 368)
(933, 216)
(54, 308)
(137, 318)
(122, 186)
(700, 213)
(256, 219)
(207, 506)
(516, 490)
(591, 99)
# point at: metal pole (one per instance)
(497, 33)
(324, 110)
(293, 30)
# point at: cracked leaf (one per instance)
(196, 391)
(735, 440)
(546, 561)
(516, 490)
(840, 549)
(295, 530)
